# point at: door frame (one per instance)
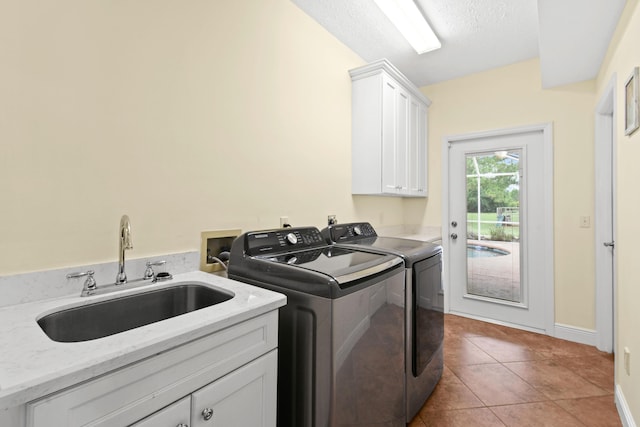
(605, 208)
(549, 285)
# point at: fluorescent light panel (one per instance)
(406, 16)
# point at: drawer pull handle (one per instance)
(207, 413)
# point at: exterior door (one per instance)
(500, 249)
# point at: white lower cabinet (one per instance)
(245, 397)
(175, 415)
(232, 372)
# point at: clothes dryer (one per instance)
(424, 307)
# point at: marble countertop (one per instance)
(32, 365)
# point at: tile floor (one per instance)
(499, 376)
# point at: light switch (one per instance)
(585, 221)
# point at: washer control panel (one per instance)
(283, 240)
(342, 233)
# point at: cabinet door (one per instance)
(390, 91)
(403, 132)
(245, 397)
(175, 415)
(395, 137)
(417, 161)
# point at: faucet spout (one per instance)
(124, 235)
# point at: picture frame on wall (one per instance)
(631, 122)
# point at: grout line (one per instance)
(553, 357)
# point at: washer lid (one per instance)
(343, 264)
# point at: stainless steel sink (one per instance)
(116, 315)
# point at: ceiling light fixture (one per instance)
(406, 16)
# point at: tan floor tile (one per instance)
(593, 411)
(461, 351)
(480, 417)
(555, 347)
(506, 349)
(458, 326)
(538, 414)
(417, 422)
(554, 380)
(496, 385)
(451, 396)
(448, 377)
(598, 370)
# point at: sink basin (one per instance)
(116, 315)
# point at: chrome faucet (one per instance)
(124, 238)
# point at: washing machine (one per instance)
(424, 306)
(341, 336)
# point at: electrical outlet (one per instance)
(331, 219)
(627, 360)
(284, 220)
(585, 221)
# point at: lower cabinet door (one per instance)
(175, 415)
(244, 397)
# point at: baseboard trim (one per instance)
(575, 334)
(565, 332)
(497, 322)
(623, 409)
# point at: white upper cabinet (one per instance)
(389, 133)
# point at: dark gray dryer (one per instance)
(424, 306)
(341, 334)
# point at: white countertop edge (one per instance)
(33, 366)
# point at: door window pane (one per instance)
(493, 225)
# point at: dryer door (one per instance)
(428, 309)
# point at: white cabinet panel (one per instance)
(245, 397)
(175, 415)
(418, 150)
(389, 133)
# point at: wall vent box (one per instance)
(214, 242)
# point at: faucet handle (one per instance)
(149, 273)
(90, 284)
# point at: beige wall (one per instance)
(187, 116)
(512, 96)
(201, 115)
(622, 57)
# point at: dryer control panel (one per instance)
(283, 239)
(352, 232)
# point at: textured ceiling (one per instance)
(477, 35)
(568, 56)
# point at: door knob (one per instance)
(454, 236)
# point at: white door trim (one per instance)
(604, 199)
(547, 131)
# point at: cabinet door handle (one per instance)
(207, 413)
(182, 425)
